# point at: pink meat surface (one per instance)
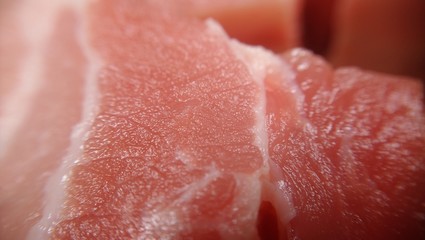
(350, 149)
(132, 120)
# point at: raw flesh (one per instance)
(154, 124)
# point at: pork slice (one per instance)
(171, 130)
(350, 148)
(38, 115)
(170, 140)
(177, 145)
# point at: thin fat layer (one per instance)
(266, 67)
(35, 149)
(22, 76)
(54, 190)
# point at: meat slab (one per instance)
(140, 120)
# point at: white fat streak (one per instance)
(169, 220)
(278, 193)
(261, 62)
(293, 85)
(253, 58)
(55, 188)
(39, 14)
(189, 191)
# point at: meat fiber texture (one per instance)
(139, 120)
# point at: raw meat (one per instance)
(350, 149)
(37, 115)
(143, 122)
(172, 151)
